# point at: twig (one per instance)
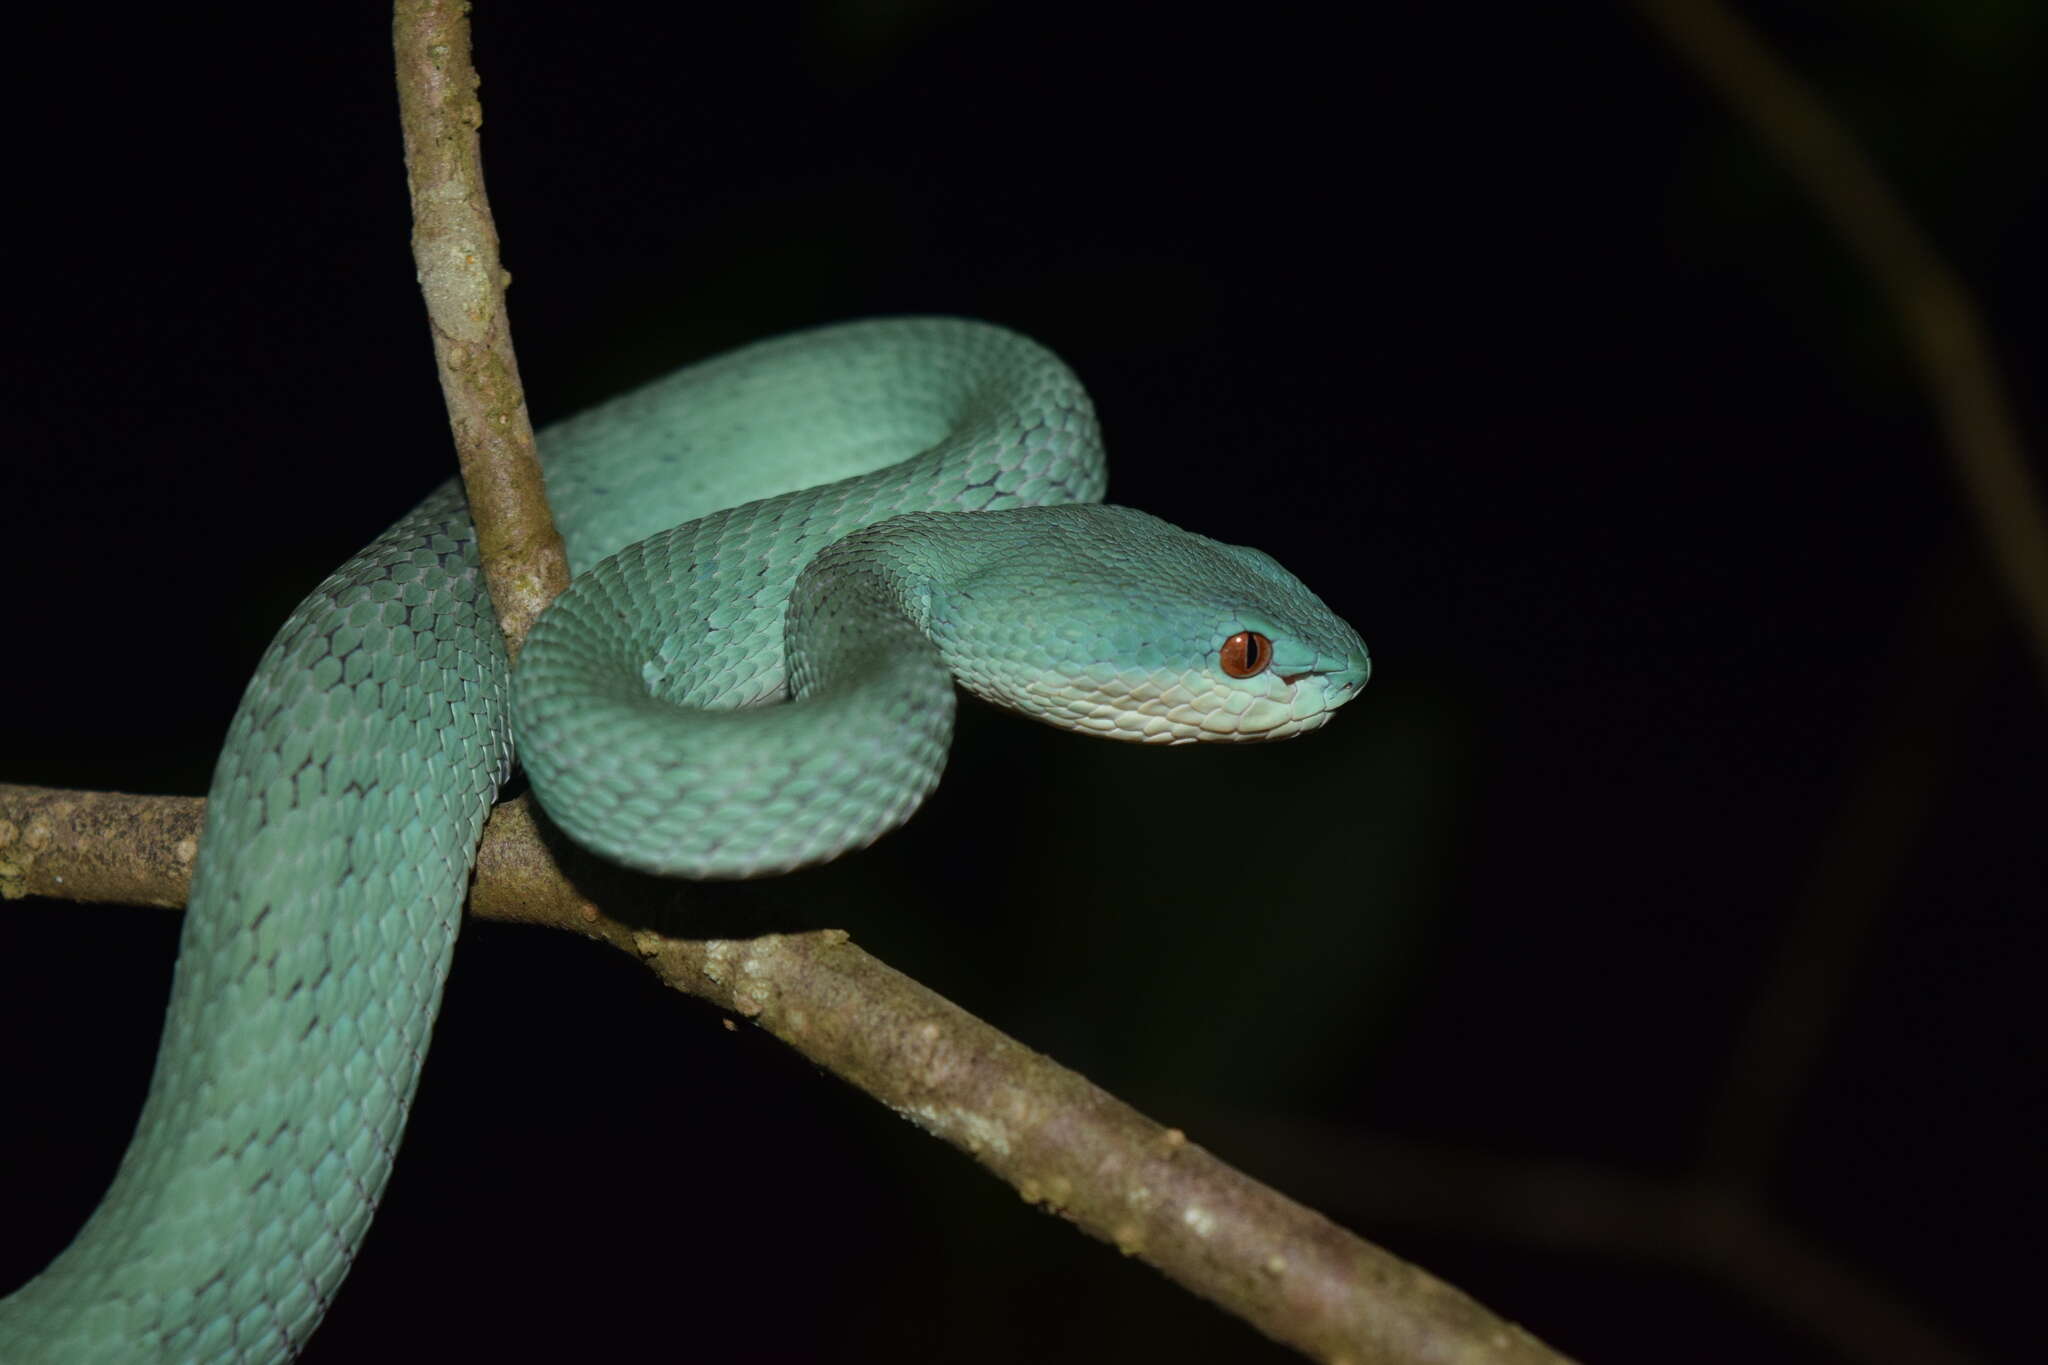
(1573, 1208)
(1057, 1139)
(1933, 670)
(455, 245)
(1934, 311)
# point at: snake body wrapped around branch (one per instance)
(785, 558)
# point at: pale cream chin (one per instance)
(1174, 708)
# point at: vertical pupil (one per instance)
(1246, 653)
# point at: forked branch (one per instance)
(1059, 1140)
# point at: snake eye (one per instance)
(1246, 653)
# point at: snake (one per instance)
(786, 560)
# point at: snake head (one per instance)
(1112, 622)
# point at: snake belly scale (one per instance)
(785, 557)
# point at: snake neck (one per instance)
(847, 742)
(863, 605)
(1088, 617)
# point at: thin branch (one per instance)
(455, 245)
(1933, 669)
(105, 847)
(1935, 313)
(1568, 1207)
(1059, 1140)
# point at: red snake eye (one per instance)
(1246, 653)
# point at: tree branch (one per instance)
(1059, 1140)
(1705, 1225)
(455, 246)
(1935, 313)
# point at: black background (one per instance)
(1487, 321)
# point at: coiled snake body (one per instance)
(842, 521)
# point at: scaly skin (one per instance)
(928, 538)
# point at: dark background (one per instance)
(1486, 320)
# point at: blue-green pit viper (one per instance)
(785, 557)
